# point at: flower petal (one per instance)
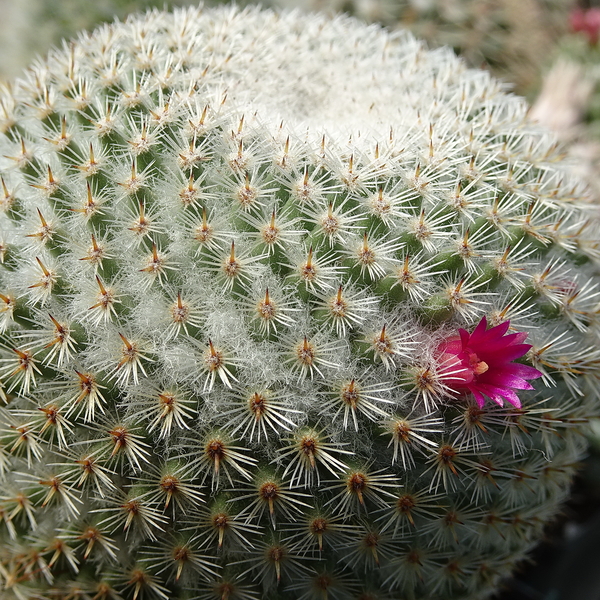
(506, 380)
(505, 354)
(524, 371)
(498, 393)
(495, 333)
(478, 398)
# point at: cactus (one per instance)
(512, 38)
(290, 307)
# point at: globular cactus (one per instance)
(265, 287)
(512, 38)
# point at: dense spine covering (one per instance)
(251, 266)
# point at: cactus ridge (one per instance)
(234, 248)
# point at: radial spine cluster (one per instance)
(290, 308)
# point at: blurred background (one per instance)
(547, 51)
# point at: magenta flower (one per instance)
(481, 363)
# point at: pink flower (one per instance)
(587, 22)
(481, 363)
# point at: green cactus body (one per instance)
(238, 251)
